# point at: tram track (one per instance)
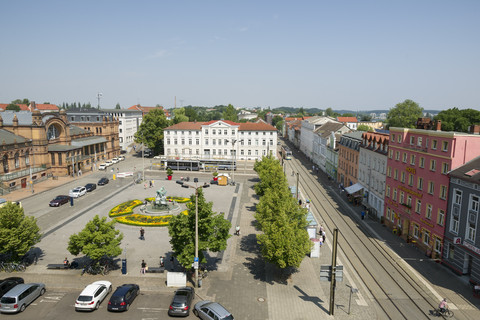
(397, 292)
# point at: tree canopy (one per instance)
(150, 132)
(404, 114)
(213, 231)
(13, 106)
(18, 233)
(284, 241)
(179, 115)
(99, 238)
(118, 106)
(230, 113)
(364, 127)
(458, 120)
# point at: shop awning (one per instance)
(354, 188)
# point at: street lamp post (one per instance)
(196, 187)
(234, 157)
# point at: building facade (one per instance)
(372, 170)
(331, 161)
(220, 139)
(348, 154)
(321, 140)
(129, 121)
(417, 182)
(461, 250)
(307, 133)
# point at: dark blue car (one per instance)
(123, 297)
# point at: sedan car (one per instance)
(90, 187)
(93, 295)
(181, 302)
(9, 283)
(102, 181)
(59, 200)
(77, 192)
(123, 297)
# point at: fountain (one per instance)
(160, 205)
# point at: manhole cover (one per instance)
(261, 299)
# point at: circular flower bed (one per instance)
(123, 213)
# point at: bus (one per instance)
(189, 165)
(286, 153)
(219, 164)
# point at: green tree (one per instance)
(18, 233)
(150, 132)
(276, 119)
(20, 101)
(364, 127)
(213, 231)
(270, 173)
(404, 115)
(13, 106)
(118, 106)
(348, 114)
(179, 115)
(458, 120)
(99, 238)
(279, 125)
(230, 113)
(366, 117)
(191, 113)
(330, 112)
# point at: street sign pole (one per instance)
(334, 267)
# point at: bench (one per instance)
(155, 270)
(57, 266)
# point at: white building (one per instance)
(220, 139)
(129, 123)
(372, 170)
(321, 140)
(309, 125)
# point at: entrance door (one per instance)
(24, 183)
(467, 264)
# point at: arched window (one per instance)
(5, 163)
(53, 132)
(17, 160)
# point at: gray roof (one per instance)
(470, 171)
(10, 137)
(329, 127)
(74, 130)
(61, 147)
(354, 135)
(88, 141)
(24, 117)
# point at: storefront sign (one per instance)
(471, 247)
(427, 223)
(411, 170)
(457, 240)
(418, 195)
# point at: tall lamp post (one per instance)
(196, 187)
(234, 156)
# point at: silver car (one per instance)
(208, 310)
(77, 192)
(20, 296)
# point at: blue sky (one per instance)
(359, 55)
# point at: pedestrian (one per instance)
(324, 236)
(320, 241)
(142, 233)
(363, 215)
(162, 264)
(145, 186)
(118, 170)
(80, 172)
(300, 202)
(151, 184)
(144, 267)
(66, 263)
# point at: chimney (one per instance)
(475, 129)
(439, 125)
(33, 105)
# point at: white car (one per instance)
(109, 163)
(115, 160)
(77, 192)
(121, 158)
(93, 295)
(103, 166)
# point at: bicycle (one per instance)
(447, 313)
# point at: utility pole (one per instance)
(297, 184)
(334, 269)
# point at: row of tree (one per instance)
(284, 241)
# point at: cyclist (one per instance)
(443, 306)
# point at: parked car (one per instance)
(77, 192)
(90, 187)
(4, 202)
(102, 166)
(121, 158)
(59, 200)
(9, 283)
(93, 295)
(123, 297)
(181, 302)
(20, 296)
(102, 181)
(208, 310)
(115, 160)
(109, 163)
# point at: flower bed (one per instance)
(124, 208)
(145, 220)
(176, 199)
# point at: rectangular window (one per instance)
(392, 218)
(422, 162)
(415, 231)
(402, 197)
(441, 217)
(393, 137)
(213, 131)
(206, 142)
(399, 139)
(445, 146)
(412, 140)
(426, 237)
(390, 154)
(214, 141)
(434, 144)
(470, 232)
(389, 172)
(190, 141)
(431, 187)
(419, 142)
(404, 157)
(420, 183)
(457, 198)
(454, 223)
(474, 203)
(206, 131)
(443, 192)
(197, 141)
(433, 165)
(403, 177)
(394, 194)
(409, 201)
(397, 155)
(225, 132)
(388, 191)
(418, 206)
(438, 245)
(183, 141)
(428, 212)
(412, 159)
(395, 174)
(410, 179)
(444, 168)
(388, 213)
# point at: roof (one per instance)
(249, 126)
(87, 141)
(144, 109)
(74, 130)
(23, 117)
(24, 107)
(329, 127)
(347, 119)
(10, 138)
(470, 171)
(376, 137)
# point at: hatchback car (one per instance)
(102, 166)
(59, 200)
(115, 160)
(9, 283)
(102, 181)
(109, 163)
(121, 158)
(208, 310)
(20, 296)
(93, 295)
(123, 297)
(77, 192)
(181, 302)
(90, 187)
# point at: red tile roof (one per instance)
(347, 119)
(24, 107)
(144, 109)
(249, 126)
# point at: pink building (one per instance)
(416, 189)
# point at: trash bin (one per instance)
(124, 266)
(71, 201)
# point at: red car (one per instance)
(59, 200)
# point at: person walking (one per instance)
(324, 236)
(142, 233)
(144, 267)
(363, 215)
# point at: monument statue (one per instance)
(161, 199)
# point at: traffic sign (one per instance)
(195, 259)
